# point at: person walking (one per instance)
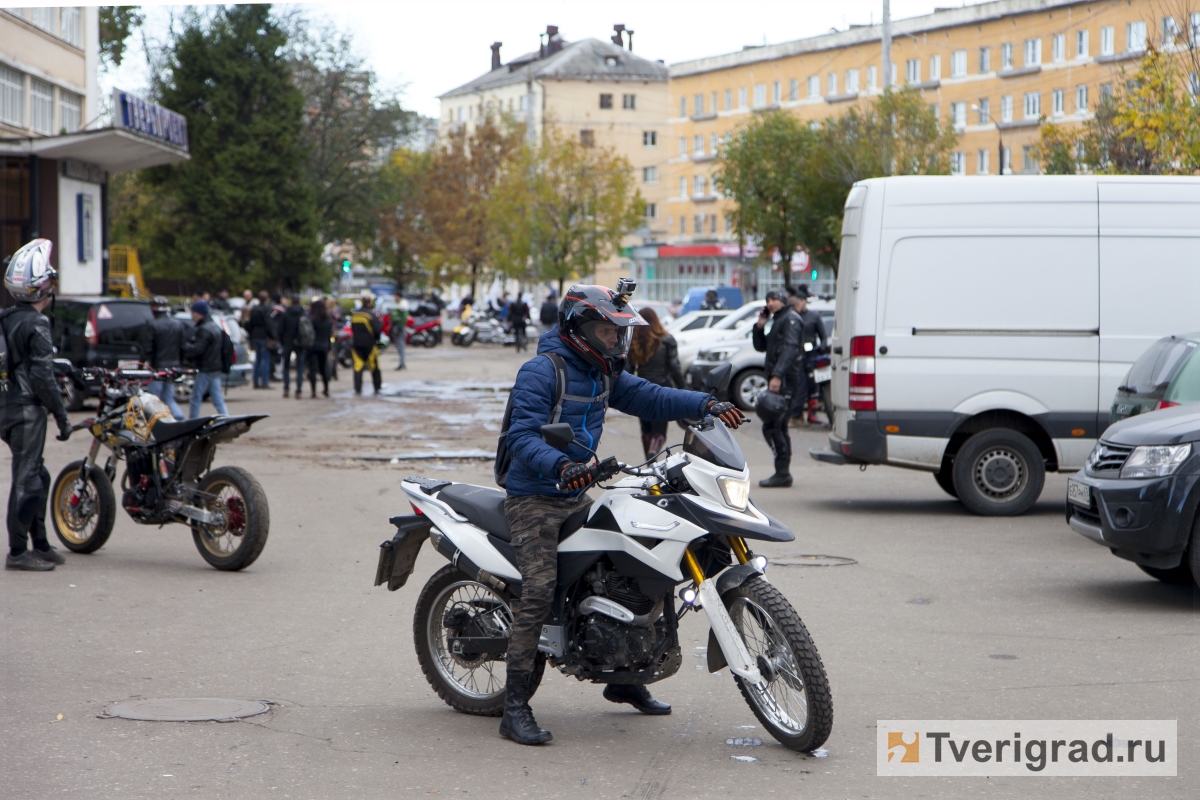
(812, 340)
(276, 320)
(29, 395)
(654, 355)
(289, 333)
(317, 355)
(518, 318)
(399, 334)
(259, 330)
(337, 320)
(365, 329)
(782, 348)
(548, 315)
(167, 335)
(204, 350)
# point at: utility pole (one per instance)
(887, 44)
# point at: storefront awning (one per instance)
(110, 149)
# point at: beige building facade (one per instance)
(597, 92)
(992, 71)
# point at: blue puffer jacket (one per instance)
(535, 464)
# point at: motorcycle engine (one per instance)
(141, 495)
(615, 645)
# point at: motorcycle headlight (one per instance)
(735, 491)
(1155, 461)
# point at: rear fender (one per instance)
(226, 429)
(398, 555)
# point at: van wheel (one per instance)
(945, 479)
(999, 473)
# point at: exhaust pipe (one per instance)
(459, 559)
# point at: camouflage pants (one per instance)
(534, 522)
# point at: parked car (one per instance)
(1138, 493)
(694, 321)
(1166, 375)
(984, 324)
(730, 297)
(99, 332)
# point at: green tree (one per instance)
(117, 23)
(242, 212)
(403, 236)
(562, 208)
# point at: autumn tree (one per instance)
(403, 240)
(562, 208)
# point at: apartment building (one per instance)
(599, 92)
(991, 70)
(55, 157)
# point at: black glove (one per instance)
(575, 477)
(64, 430)
(728, 413)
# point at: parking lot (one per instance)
(941, 615)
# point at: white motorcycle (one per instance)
(683, 519)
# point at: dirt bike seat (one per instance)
(483, 507)
(165, 430)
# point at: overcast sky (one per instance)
(431, 47)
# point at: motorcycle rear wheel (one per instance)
(472, 686)
(238, 538)
(826, 397)
(793, 702)
(85, 526)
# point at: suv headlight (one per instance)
(718, 354)
(735, 491)
(1155, 461)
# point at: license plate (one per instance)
(1079, 493)
(823, 374)
(128, 362)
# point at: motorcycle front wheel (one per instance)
(239, 533)
(82, 520)
(450, 605)
(792, 701)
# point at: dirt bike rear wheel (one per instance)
(238, 537)
(83, 526)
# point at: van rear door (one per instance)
(849, 297)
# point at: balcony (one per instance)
(1124, 55)
(704, 198)
(703, 117)
(1032, 69)
(841, 98)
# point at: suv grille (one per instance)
(1108, 457)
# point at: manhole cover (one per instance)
(790, 560)
(185, 709)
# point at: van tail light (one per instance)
(862, 373)
(1165, 404)
(91, 330)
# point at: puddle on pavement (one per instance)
(804, 560)
(744, 742)
(744, 759)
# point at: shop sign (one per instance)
(132, 113)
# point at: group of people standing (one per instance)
(284, 325)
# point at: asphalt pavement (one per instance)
(943, 616)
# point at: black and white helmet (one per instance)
(29, 276)
(583, 309)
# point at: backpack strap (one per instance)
(560, 385)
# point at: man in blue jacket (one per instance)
(595, 326)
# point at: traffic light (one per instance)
(346, 266)
(814, 275)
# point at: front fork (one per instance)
(89, 464)
(728, 637)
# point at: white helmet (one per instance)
(29, 276)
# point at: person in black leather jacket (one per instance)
(30, 395)
(812, 340)
(289, 330)
(165, 351)
(204, 350)
(654, 355)
(782, 364)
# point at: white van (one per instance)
(984, 324)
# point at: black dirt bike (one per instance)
(168, 475)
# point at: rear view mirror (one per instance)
(558, 435)
(717, 381)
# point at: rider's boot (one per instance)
(518, 723)
(646, 437)
(782, 476)
(636, 696)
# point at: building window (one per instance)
(682, 189)
(712, 228)
(12, 97)
(683, 106)
(937, 110)
(831, 84)
(958, 115)
(814, 86)
(985, 111)
(981, 162)
(985, 60)
(912, 70)
(1081, 44)
(1195, 26)
(1106, 40)
(698, 184)
(1058, 47)
(41, 106)
(698, 224)
(1006, 108)
(1033, 105)
(697, 105)
(629, 101)
(741, 97)
(1006, 56)
(1033, 52)
(70, 25)
(649, 138)
(1058, 102)
(1135, 37)
(1006, 161)
(697, 146)
(714, 142)
(43, 17)
(1081, 99)
(649, 174)
(935, 68)
(682, 146)
(651, 211)
(760, 95)
(777, 93)
(606, 101)
(1029, 164)
(872, 78)
(587, 137)
(70, 111)
(1170, 30)
(958, 64)
(712, 103)
(851, 81)
(794, 89)
(1105, 92)
(682, 225)
(958, 163)
(729, 99)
